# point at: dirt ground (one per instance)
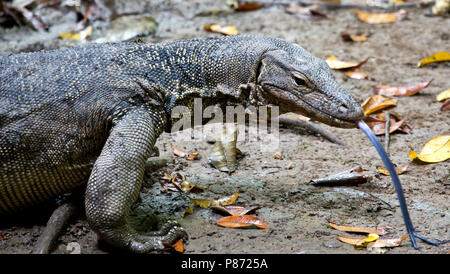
(297, 213)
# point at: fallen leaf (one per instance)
(192, 156)
(225, 30)
(440, 56)
(379, 18)
(443, 95)
(434, 151)
(296, 116)
(376, 103)
(178, 183)
(311, 11)
(356, 74)
(334, 63)
(224, 154)
(354, 38)
(354, 176)
(277, 155)
(207, 203)
(359, 242)
(398, 171)
(188, 210)
(78, 36)
(290, 166)
(379, 231)
(446, 105)
(179, 246)
(248, 6)
(178, 151)
(235, 210)
(400, 91)
(387, 242)
(241, 221)
(378, 126)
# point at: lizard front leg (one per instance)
(116, 180)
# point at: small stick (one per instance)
(337, 5)
(55, 224)
(386, 131)
(311, 127)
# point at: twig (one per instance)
(386, 131)
(55, 224)
(311, 127)
(336, 5)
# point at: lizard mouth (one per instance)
(301, 105)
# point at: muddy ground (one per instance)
(296, 212)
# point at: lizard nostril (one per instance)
(343, 108)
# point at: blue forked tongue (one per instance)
(398, 187)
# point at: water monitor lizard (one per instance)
(91, 114)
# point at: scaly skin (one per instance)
(93, 114)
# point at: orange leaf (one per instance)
(192, 156)
(226, 30)
(376, 103)
(178, 151)
(387, 242)
(179, 246)
(334, 63)
(377, 18)
(398, 171)
(235, 210)
(354, 38)
(379, 231)
(248, 6)
(241, 221)
(400, 91)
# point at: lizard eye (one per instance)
(300, 81)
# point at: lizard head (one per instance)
(298, 82)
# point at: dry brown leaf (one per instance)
(192, 156)
(248, 6)
(334, 63)
(379, 18)
(376, 103)
(311, 11)
(446, 105)
(398, 171)
(78, 36)
(178, 246)
(354, 38)
(225, 30)
(359, 242)
(277, 155)
(356, 74)
(400, 91)
(235, 210)
(241, 221)
(379, 231)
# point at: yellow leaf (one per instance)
(437, 57)
(443, 95)
(206, 203)
(372, 237)
(226, 30)
(78, 35)
(434, 151)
